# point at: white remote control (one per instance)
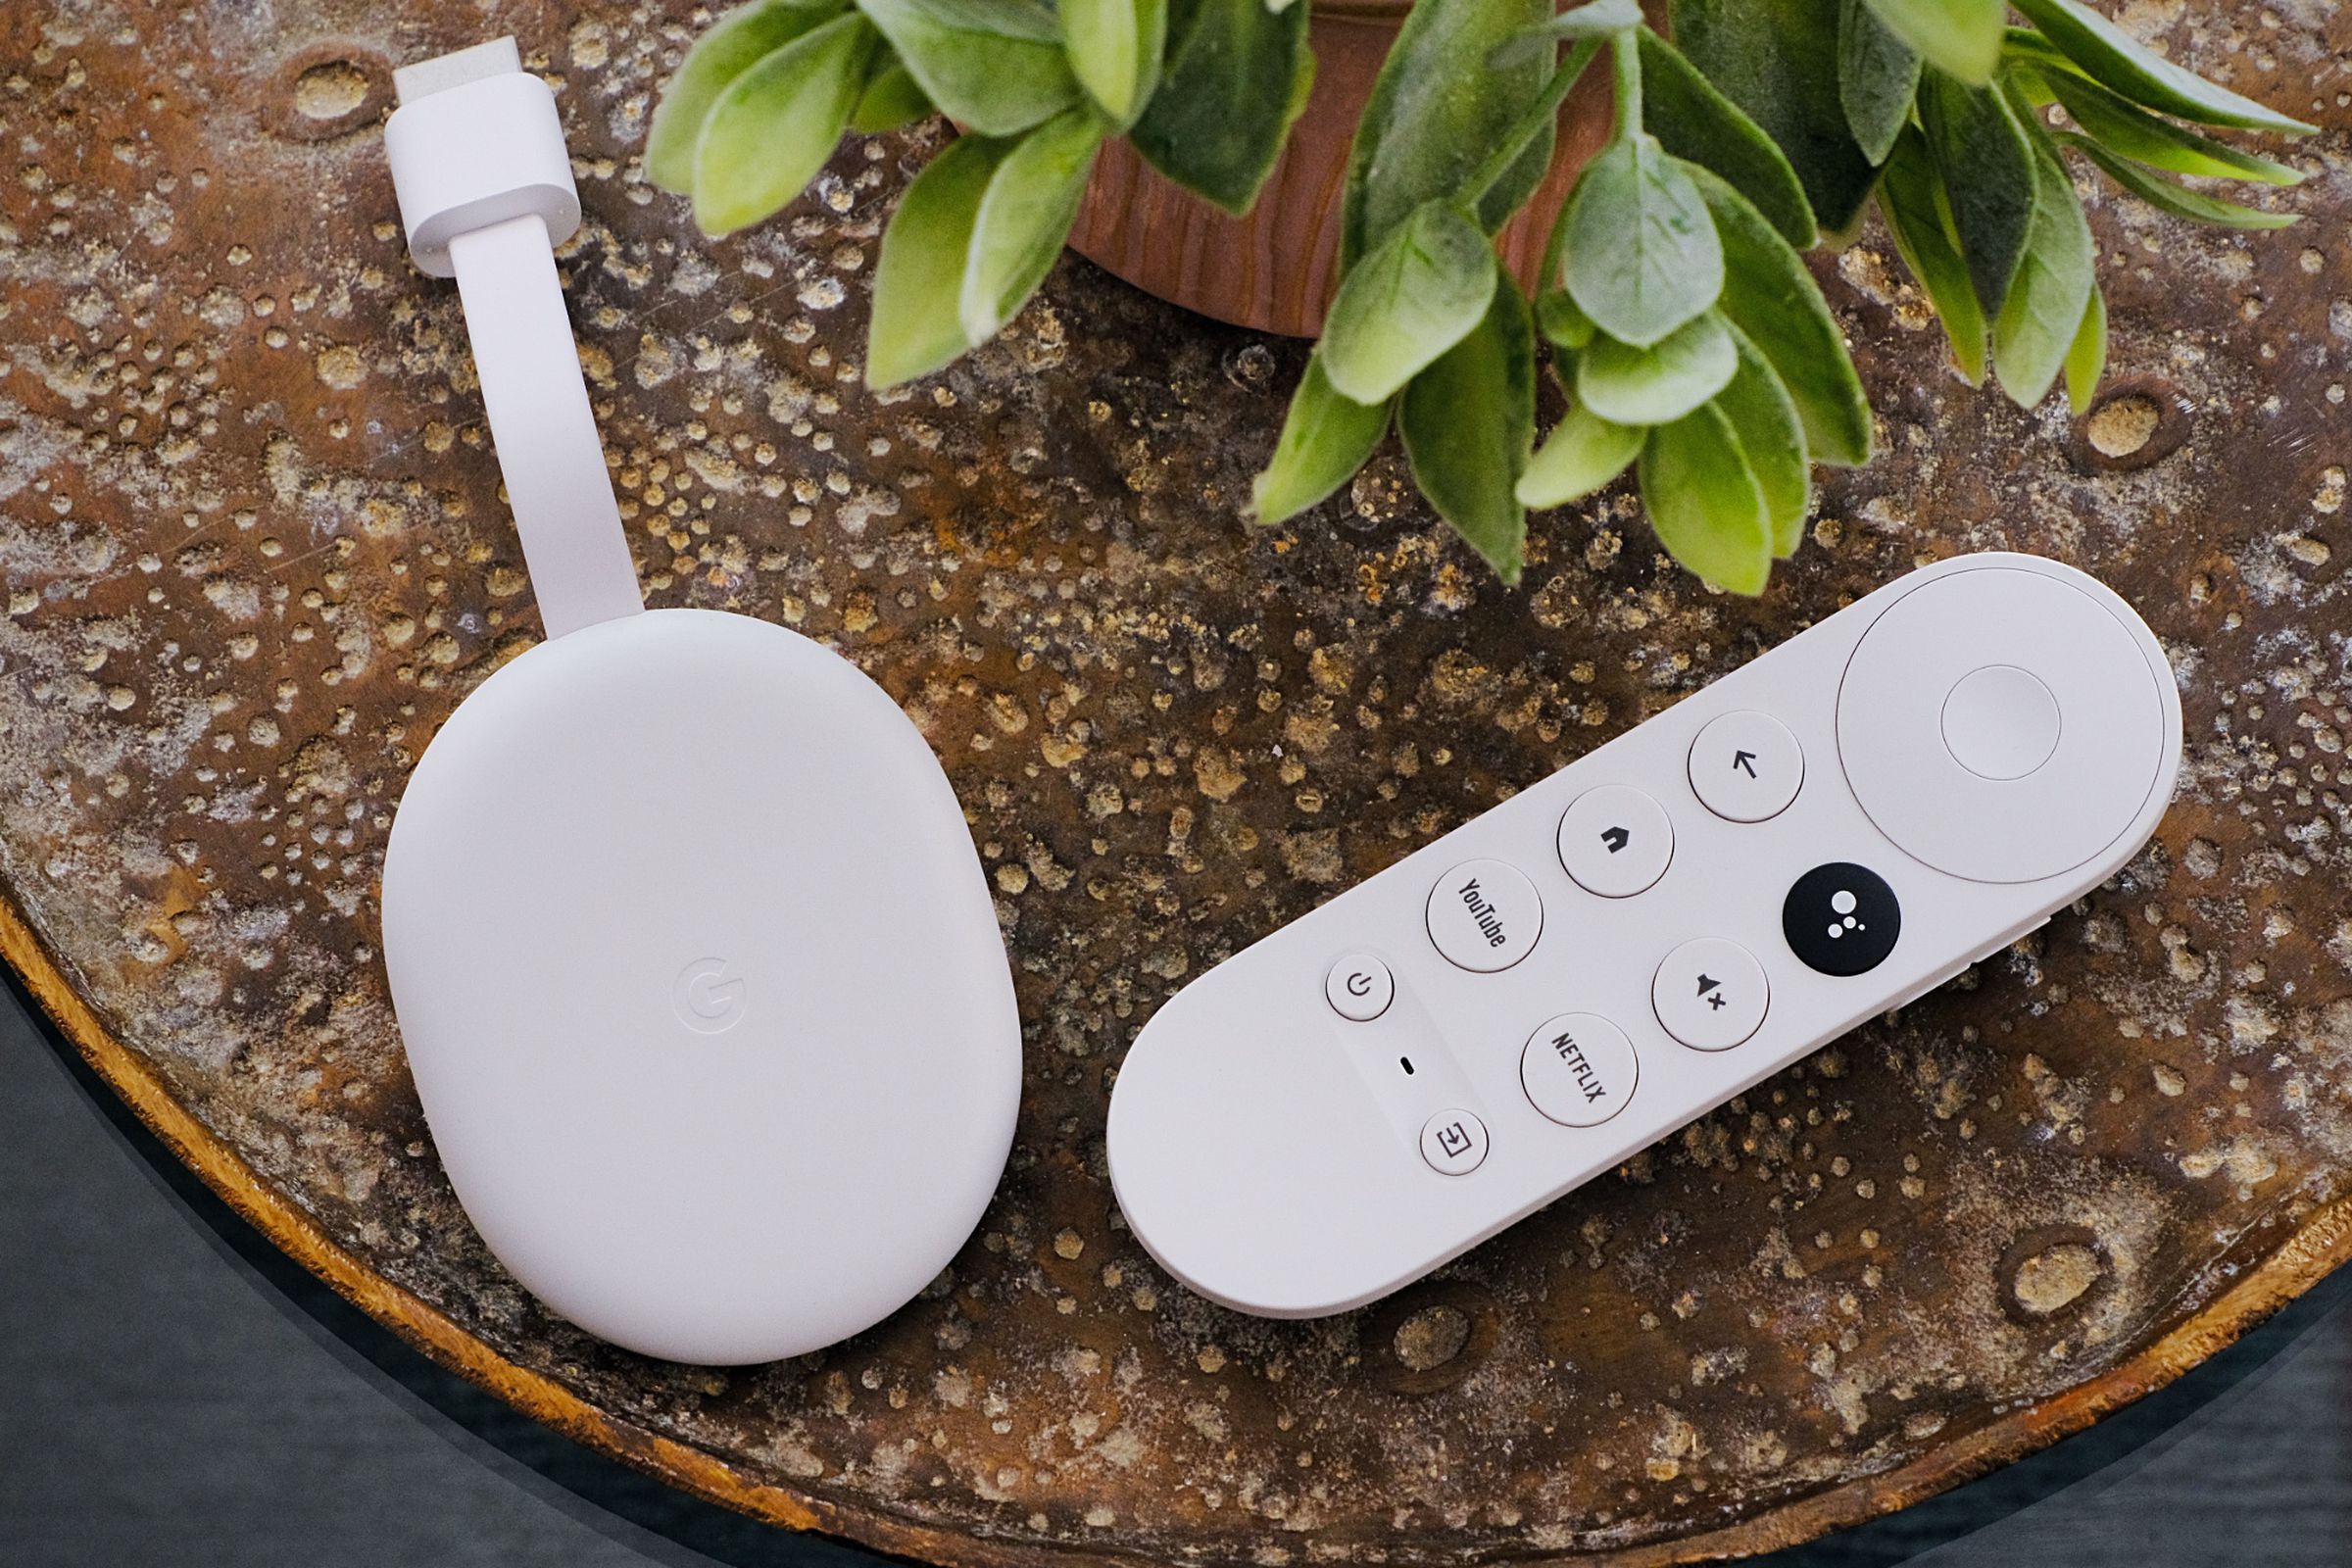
(1844, 823)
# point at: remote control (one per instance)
(1842, 824)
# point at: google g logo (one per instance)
(705, 1000)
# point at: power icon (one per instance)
(1359, 988)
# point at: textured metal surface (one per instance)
(255, 554)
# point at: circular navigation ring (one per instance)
(2000, 671)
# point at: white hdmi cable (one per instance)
(486, 194)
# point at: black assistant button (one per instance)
(1842, 918)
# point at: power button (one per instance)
(1359, 988)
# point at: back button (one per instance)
(1745, 766)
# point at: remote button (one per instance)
(1710, 993)
(1579, 1069)
(1615, 841)
(2000, 721)
(1359, 988)
(1485, 916)
(1745, 766)
(1928, 717)
(1842, 918)
(1454, 1141)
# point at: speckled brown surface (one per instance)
(255, 554)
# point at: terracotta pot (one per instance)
(1275, 269)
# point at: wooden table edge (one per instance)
(2321, 1244)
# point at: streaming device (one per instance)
(695, 965)
(1843, 823)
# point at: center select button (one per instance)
(1485, 916)
(2000, 722)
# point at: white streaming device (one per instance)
(697, 971)
(1828, 832)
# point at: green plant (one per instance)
(1673, 305)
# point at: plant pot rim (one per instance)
(1360, 10)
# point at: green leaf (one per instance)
(1660, 383)
(2120, 60)
(1778, 60)
(1025, 219)
(1986, 166)
(1436, 111)
(1705, 501)
(1637, 250)
(2087, 359)
(1519, 178)
(2127, 130)
(891, 98)
(1236, 75)
(995, 67)
(1564, 326)
(1878, 78)
(1764, 418)
(1693, 122)
(2025, 47)
(1420, 292)
(1560, 322)
(1769, 295)
(1324, 439)
(1468, 421)
(736, 42)
(1596, 19)
(1960, 38)
(2178, 200)
(771, 130)
(2043, 312)
(1584, 453)
(1913, 205)
(918, 323)
(1114, 48)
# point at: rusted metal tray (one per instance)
(255, 555)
